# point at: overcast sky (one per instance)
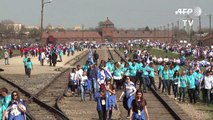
(123, 13)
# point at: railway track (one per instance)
(36, 109)
(41, 108)
(159, 107)
(55, 89)
(72, 106)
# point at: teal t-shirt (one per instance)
(139, 65)
(199, 76)
(5, 101)
(165, 74)
(130, 63)
(122, 65)
(85, 67)
(110, 66)
(195, 75)
(176, 79)
(151, 71)
(183, 81)
(73, 49)
(29, 65)
(176, 68)
(144, 71)
(171, 74)
(160, 70)
(191, 81)
(25, 61)
(124, 69)
(117, 73)
(60, 53)
(1, 110)
(132, 70)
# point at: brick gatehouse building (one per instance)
(110, 33)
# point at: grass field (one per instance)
(15, 53)
(158, 53)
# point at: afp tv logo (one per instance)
(189, 12)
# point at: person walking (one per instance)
(25, 64)
(128, 93)
(165, 75)
(182, 87)
(6, 57)
(208, 85)
(191, 86)
(83, 85)
(139, 110)
(112, 98)
(175, 84)
(95, 56)
(29, 67)
(102, 99)
(160, 70)
(54, 58)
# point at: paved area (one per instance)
(41, 75)
(17, 67)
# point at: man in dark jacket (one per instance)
(54, 58)
(95, 56)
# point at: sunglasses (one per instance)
(14, 94)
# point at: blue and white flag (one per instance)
(107, 74)
(90, 58)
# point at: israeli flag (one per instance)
(107, 74)
(90, 58)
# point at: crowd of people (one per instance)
(102, 81)
(49, 53)
(194, 77)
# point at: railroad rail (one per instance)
(55, 89)
(36, 109)
(71, 105)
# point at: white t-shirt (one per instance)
(83, 79)
(208, 82)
